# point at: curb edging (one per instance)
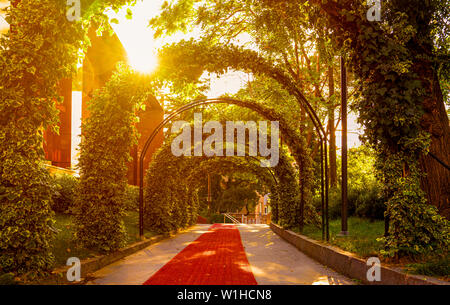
(348, 264)
(90, 265)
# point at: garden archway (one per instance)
(240, 103)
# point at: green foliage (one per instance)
(108, 135)
(7, 279)
(287, 201)
(227, 196)
(40, 51)
(371, 204)
(236, 195)
(171, 181)
(368, 202)
(435, 267)
(218, 218)
(65, 246)
(414, 229)
(131, 198)
(395, 63)
(292, 196)
(365, 194)
(170, 202)
(64, 193)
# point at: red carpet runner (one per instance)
(217, 257)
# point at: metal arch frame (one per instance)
(323, 153)
(272, 175)
(267, 168)
(274, 178)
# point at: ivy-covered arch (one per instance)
(296, 144)
(172, 183)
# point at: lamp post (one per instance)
(209, 192)
(344, 225)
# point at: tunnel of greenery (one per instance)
(171, 202)
(400, 71)
(173, 183)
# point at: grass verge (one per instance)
(64, 246)
(362, 238)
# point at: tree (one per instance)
(237, 194)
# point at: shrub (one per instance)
(371, 203)
(131, 198)
(218, 218)
(365, 196)
(64, 193)
(368, 202)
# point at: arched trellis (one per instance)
(269, 170)
(248, 160)
(323, 153)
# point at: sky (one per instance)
(4, 26)
(142, 48)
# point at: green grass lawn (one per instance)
(362, 238)
(64, 246)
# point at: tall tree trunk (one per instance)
(436, 182)
(331, 128)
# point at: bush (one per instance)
(64, 193)
(371, 203)
(368, 202)
(365, 193)
(131, 198)
(218, 218)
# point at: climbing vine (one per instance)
(396, 82)
(107, 138)
(170, 203)
(40, 50)
(172, 180)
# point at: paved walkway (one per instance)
(272, 260)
